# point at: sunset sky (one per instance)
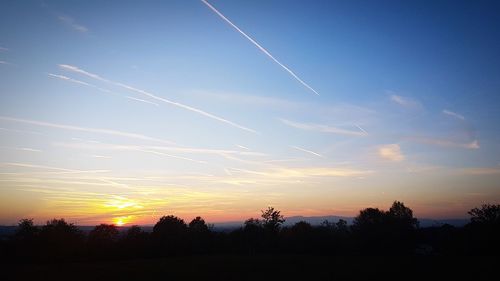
(125, 111)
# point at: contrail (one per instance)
(260, 47)
(307, 151)
(144, 101)
(361, 129)
(77, 82)
(84, 129)
(187, 107)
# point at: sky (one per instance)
(125, 111)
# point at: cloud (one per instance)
(192, 109)
(323, 128)
(446, 143)
(5, 62)
(391, 152)
(84, 129)
(242, 147)
(313, 172)
(71, 23)
(405, 101)
(101, 156)
(306, 151)
(30, 149)
(3, 49)
(77, 82)
(234, 98)
(481, 171)
(453, 114)
(259, 47)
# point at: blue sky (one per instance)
(124, 111)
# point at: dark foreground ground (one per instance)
(264, 267)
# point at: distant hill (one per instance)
(229, 226)
(317, 220)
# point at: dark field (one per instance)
(265, 267)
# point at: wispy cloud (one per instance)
(130, 88)
(405, 101)
(50, 168)
(259, 47)
(391, 152)
(5, 62)
(322, 128)
(242, 147)
(101, 156)
(313, 172)
(84, 129)
(481, 171)
(30, 149)
(72, 23)
(248, 99)
(453, 114)
(446, 143)
(3, 49)
(306, 151)
(21, 149)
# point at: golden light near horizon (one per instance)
(121, 221)
(121, 203)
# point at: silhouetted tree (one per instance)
(26, 240)
(374, 231)
(402, 216)
(104, 234)
(135, 242)
(102, 239)
(60, 239)
(169, 234)
(488, 214)
(301, 228)
(26, 230)
(369, 219)
(342, 226)
(272, 219)
(483, 231)
(200, 236)
(391, 231)
(134, 232)
(170, 226)
(198, 225)
(299, 237)
(252, 225)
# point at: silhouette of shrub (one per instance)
(170, 235)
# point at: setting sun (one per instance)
(120, 221)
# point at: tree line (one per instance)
(373, 231)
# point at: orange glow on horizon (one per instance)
(121, 221)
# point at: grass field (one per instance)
(264, 267)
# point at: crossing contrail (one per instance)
(260, 47)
